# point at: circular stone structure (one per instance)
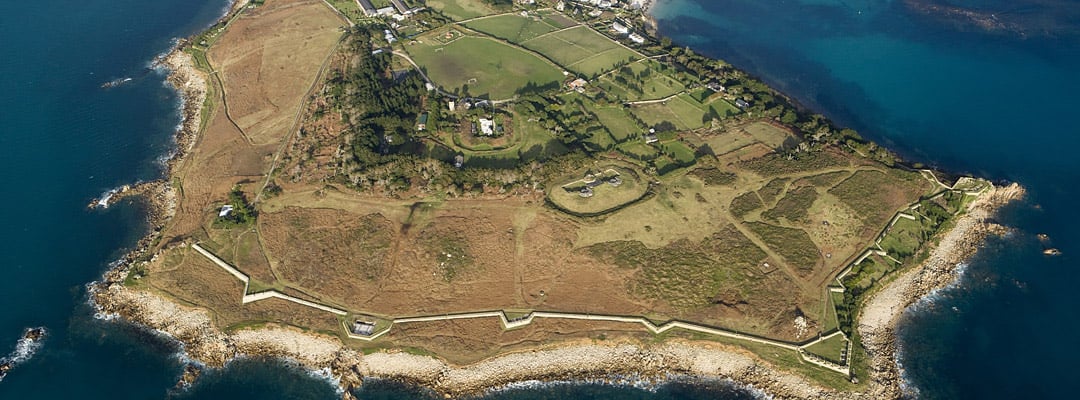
(597, 190)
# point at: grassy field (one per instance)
(512, 27)
(682, 111)
(767, 133)
(722, 108)
(830, 349)
(904, 238)
(486, 66)
(581, 50)
(638, 150)
(649, 78)
(349, 8)
(658, 113)
(556, 19)
(605, 196)
(727, 141)
(679, 152)
(618, 123)
(462, 9)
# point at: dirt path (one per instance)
(653, 101)
(294, 127)
(506, 322)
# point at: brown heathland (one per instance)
(687, 250)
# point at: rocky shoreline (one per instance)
(569, 361)
(880, 313)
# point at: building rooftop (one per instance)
(369, 9)
(363, 328)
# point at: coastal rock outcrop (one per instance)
(879, 315)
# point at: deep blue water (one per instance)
(937, 91)
(946, 93)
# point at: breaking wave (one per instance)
(25, 348)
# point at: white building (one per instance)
(620, 28)
(487, 126)
(637, 38)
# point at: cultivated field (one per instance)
(682, 111)
(513, 27)
(642, 80)
(462, 9)
(581, 50)
(485, 66)
(618, 123)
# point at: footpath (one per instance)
(522, 321)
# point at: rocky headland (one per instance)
(207, 343)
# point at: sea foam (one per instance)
(25, 348)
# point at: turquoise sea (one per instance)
(935, 87)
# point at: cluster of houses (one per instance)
(397, 9)
(600, 5)
(484, 126)
(623, 29)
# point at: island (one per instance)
(464, 194)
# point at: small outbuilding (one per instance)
(578, 85)
(363, 328)
(421, 124)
